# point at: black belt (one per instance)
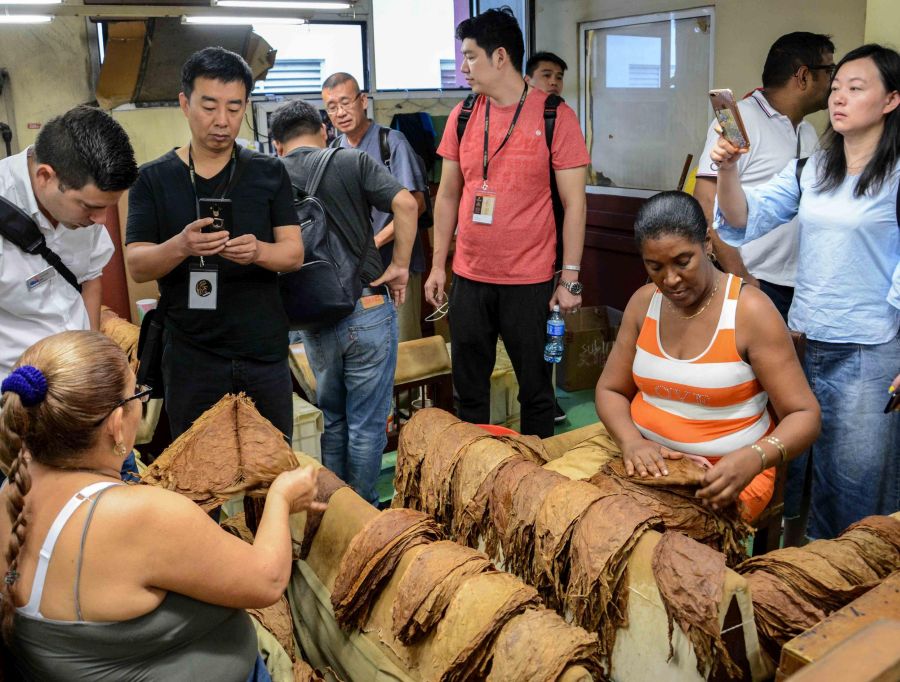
(376, 291)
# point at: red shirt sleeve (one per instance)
(449, 147)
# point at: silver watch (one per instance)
(574, 288)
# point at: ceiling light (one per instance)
(281, 4)
(31, 2)
(211, 19)
(25, 18)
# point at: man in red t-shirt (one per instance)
(497, 196)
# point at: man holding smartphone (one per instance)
(796, 79)
(226, 330)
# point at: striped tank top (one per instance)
(708, 405)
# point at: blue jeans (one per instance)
(354, 362)
(856, 459)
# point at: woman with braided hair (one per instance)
(85, 552)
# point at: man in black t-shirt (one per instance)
(226, 330)
(353, 360)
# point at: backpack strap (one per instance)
(798, 171)
(19, 228)
(384, 147)
(336, 142)
(465, 114)
(550, 107)
(318, 170)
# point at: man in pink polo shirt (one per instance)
(495, 192)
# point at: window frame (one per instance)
(584, 90)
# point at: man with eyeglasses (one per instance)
(346, 106)
(796, 79)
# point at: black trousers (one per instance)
(518, 313)
(781, 296)
(196, 379)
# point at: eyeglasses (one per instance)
(829, 68)
(342, 104)
(141, 393)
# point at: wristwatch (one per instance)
(573, 288)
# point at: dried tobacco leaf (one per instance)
(123, 333)
(371, 558)
(463, 642)
(683, 473)
(539, 646)
(473, 481)
(416, 438)
(691, 582)
(780, 613)
(277, 620)
(231, 448)
(562, 507)
(429, 584)
(304, 672)
(327, 484)
(601, 544)
(506, 479)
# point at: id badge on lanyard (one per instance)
(483, 211)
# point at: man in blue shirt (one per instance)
(346, 106)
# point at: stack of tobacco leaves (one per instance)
(683, 473)
(123, 333)
(277, 619)
(438, 466)
(327, 484)
(691, 582)
(560, 510)
(506, 479)
(428, 585)
(722, 529)
(796, 587)
(539, 645)
(304, 672)
(601, 544)
(371, 558)
(518, 540)
(473, 480)
(463, 642)
(231, 448)
(416, 439)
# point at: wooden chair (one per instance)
(768, 525)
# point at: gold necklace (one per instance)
(705, 305)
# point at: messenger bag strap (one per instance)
(30, 240)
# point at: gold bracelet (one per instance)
(762, 455)
(774, 440)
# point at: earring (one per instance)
(120, 449)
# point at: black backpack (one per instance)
(426, 220)
(326, 288)
(550, 106)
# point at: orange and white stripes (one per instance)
(708, 405)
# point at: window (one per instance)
(645, 105)
(309, 53)
(415, 47)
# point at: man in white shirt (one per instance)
(79, 166)
(796, 81)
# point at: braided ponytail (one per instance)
(19, 485)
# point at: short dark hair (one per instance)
(340, 78)
(539, 57)
(790, 52)
(87, 145)
(670, 213)
(218, 64)
(492, 29)
(293, 119)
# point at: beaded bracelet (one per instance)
(774, 440)
(762, 455)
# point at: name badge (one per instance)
(203, 287)
(36, 280)
(483, 211)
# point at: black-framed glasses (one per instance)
(829, 68)
(333, 108)
(141, 392)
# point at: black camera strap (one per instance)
(19, 228)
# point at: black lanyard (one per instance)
(224, 186)
(487, 122)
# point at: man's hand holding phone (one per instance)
(196, 242)
(242, 250)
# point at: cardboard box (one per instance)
(589, 339)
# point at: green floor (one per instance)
(579, 408)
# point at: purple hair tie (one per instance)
(29, 382)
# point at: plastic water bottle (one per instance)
(556, 329)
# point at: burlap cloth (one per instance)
(230, 449)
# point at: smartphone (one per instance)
(892, 403)
(729, 118)
(220, 211)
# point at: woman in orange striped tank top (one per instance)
(697, 365)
